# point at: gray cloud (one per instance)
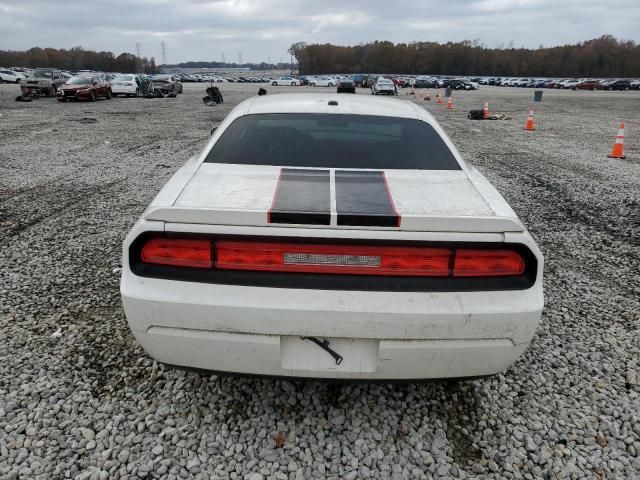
(263, 29)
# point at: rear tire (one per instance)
(293, 84)
(137, 94)
(274, 84)
(92, 97)
(109, 94)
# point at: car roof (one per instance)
(347, 104)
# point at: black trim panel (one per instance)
(363, 199)
(315, 281)
(303, 196)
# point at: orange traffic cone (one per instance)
(427, 97)
(438, 98)
(530, 125)
(449, 104)
(485, 111)
(618, 147)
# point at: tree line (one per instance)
(601, 57)
(77, 58)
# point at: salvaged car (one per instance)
(43, 81)
(346, 85)
(10, 76)
(167, 83)
(85, 87)
(384, 86)
(332, 236)
(126, 84)
(286, 80)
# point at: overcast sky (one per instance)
(264, 29)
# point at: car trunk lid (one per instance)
(408, 200)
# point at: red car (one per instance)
(588, 85)
(84, 88)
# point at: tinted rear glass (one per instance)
(333, 141)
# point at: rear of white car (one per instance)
(125, 85)
(384, 87)
(280, 251)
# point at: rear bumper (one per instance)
(247, 354)
(381, 335)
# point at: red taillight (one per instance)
(333, 259)
(344, 259)
(487, 263)
(178, 252)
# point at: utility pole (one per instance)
(223, 60)
(138, 57)
(239, 58)
(163, 47)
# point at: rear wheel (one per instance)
(293, 84)
(109, 94)
(92, 97)
(330, 84)
(137, 94)
(51, 91)
(274, 84)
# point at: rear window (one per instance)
(333, 141)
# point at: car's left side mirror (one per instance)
(213, 130)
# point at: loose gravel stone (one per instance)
(79, 399)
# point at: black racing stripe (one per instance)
(303, 196)
(363, 199)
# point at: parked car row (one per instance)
(565, 83)
(90, 85)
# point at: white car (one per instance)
(294, 82)
(10, 76)
(384, 86)
(572, 82)
(324, 82)
(337, 237)
(125, 85)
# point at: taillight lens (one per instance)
(333, 259)
(178, 252)
(344, 259)
(487, 263)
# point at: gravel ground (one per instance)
(80, 399)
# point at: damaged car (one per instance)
(44, 81)
(336, 237)
(167, 83)
(85, 88)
